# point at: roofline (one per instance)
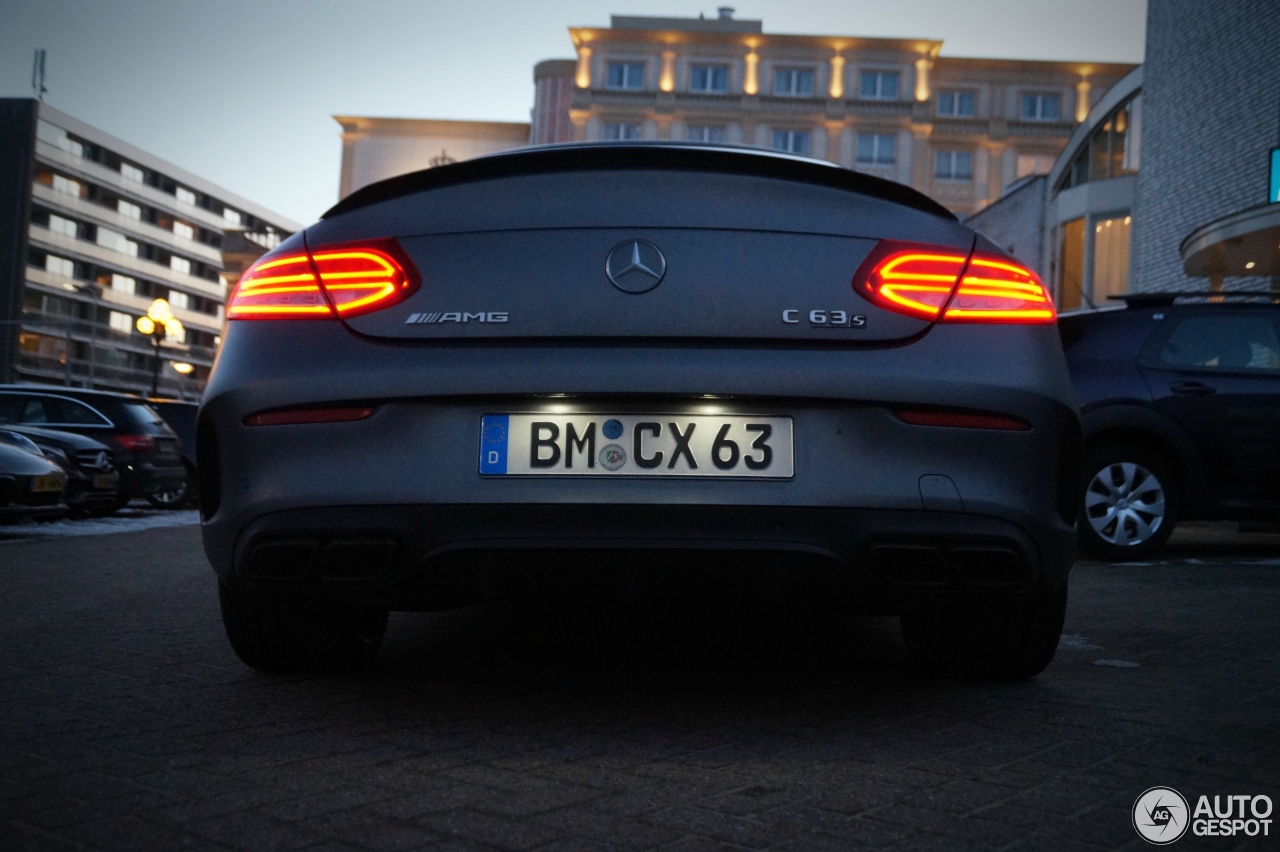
(657, 156)
(151, 161)
(587, 35)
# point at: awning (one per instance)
(1244, 243)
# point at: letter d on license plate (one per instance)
(636, 445)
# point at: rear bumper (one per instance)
(141, 479)
(436, 557)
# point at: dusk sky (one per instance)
(242, 92)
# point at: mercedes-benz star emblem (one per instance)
(635, 266)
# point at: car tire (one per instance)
(1112, 528)
(279, 633)
(1010, 638)
(169, 497)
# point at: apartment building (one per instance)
(95, 230)
(958, 129)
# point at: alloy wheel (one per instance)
(1125, 504)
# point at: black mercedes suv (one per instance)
(1180, 402)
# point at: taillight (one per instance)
(326, 282)
(921, 281)
(135, 442)
(961, 419)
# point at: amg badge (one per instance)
(457, 316)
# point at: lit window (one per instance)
(791, 141)
(709, 78)
(185, 195)
(108, 238)
(624, 75)
(123, 283)
(67, 185)
(793, 82)
(879, 85)
(131, 172)
(59, 266)
(876, 148)
(956, 104)
(232, 216)
(1041, 107)
(1034, 164)
(66, 227)
(120, 322)
(706, 133)
(184, 231)
(621, 132)
(124, 208)
(953, 165)
(179, 264)
(1110, 258)
(179, 299)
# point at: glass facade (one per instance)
(1070, 277)
(1110, 258)
(1114, 148)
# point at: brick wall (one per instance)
(1211, 113)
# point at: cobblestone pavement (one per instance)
(126, 722)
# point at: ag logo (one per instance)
(1160, 816)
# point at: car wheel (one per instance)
(1129, 504)
(275, 632)
(992, 639)
(168, 497)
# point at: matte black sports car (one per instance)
(633, 350)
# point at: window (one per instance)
(953, 165)
(1223, 342)
(1041, 107)
(705, 133)
(624, 75)
(123, 283)
(58, 138)
(59, 266)
(185, 195)
(709, 78)
(956, 104)
(1034, 164)
(179, 264)
(876, 149)
(66, 227)
(1113, 149)
(793, 82)
(108, 238)
(132, 172)
(67, 185)
(1110, 258)
(120, 322)
(879, 85)
(1071, 265)
(621, 132)
(232, 216)
(792, 141)
(184, 231)
(125, 208)
(178, 299)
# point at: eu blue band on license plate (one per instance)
(494, 429)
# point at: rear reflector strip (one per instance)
(308, 415)
(961, 420)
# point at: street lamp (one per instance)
(157, 324)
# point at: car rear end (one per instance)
(148, 455)
(629, 352)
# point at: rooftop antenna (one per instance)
(37, 76)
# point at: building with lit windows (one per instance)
(95, 230)
(958, 129)
(1172, 181)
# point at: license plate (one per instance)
(636, 445)
(104, 480)
(46, 483)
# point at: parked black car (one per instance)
(147, 456)
(31, 486)
(1180, 399)
(181, 417)
(92, 480)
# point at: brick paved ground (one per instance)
(125, 721)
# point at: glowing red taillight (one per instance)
(952, 286)
(327, 282)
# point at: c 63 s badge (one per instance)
(457, 316)
(826, 319)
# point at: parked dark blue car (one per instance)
(1180, 401)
